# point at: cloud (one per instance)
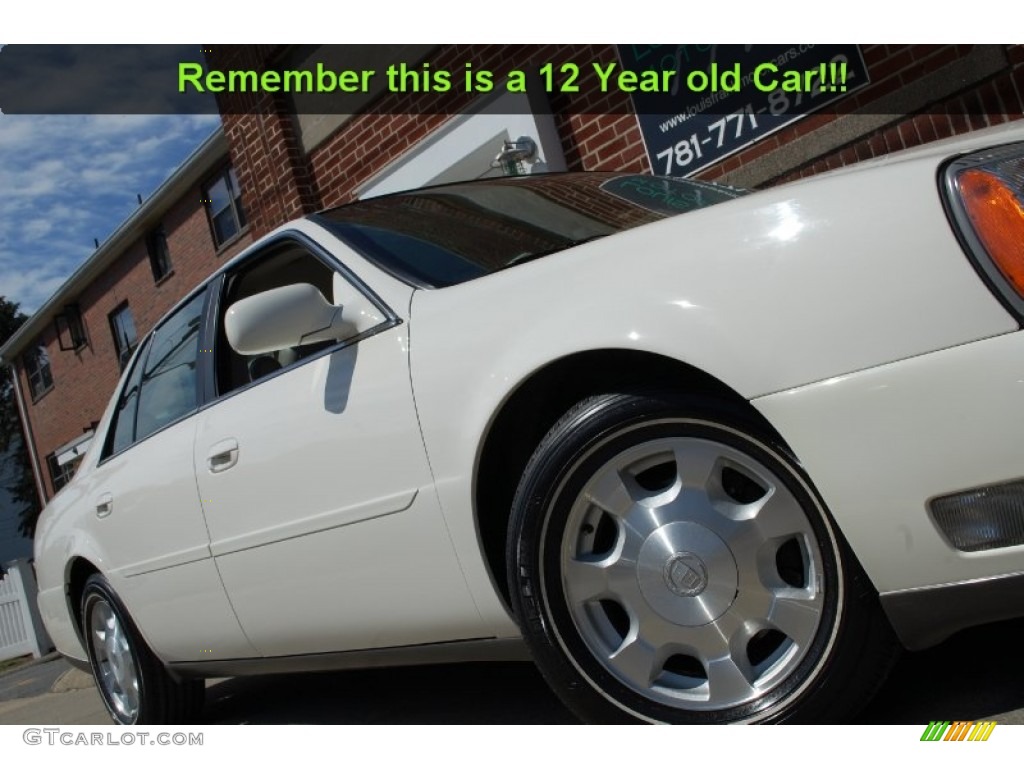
(34, 229)
(67, 179)
(31, 286)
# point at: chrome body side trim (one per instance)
(461, 651)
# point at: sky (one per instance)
(67, 179)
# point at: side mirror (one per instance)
(284, 317)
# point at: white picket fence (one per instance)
(21, 630)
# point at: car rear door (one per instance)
(146, 509)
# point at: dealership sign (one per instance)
(727, 97)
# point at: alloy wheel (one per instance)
(116, 671)
(692, 574)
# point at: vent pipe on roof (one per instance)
(514, 154)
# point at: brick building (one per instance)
(69, 355)
(279, 156)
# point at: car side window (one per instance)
(162, 385)
(122, 431)
(168, 387)
(286, 264)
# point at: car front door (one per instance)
(324, 522)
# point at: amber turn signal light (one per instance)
(997, 217)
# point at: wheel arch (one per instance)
(538, 401)
(77, 572)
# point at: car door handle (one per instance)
(224, 455)
(104, 505)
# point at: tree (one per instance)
(14, 460)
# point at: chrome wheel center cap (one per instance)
(687, 574)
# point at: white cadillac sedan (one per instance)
(708, 457)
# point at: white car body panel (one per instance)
(855, 427)
(154, 548)
(62, 536)
(284, 541)
(53, 609)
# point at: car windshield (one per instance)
(442, 236)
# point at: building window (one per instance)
(223, 202)
(125, 339)
(70, 329)
(159, 254)
(61, 474)
(37, 368)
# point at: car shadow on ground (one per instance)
(493, 693)
(975, 675)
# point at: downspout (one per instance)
(29, 437)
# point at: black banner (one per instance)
(701, 100)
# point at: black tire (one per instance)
(729, 596)
(134, 685)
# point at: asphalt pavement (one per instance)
(33, 679)
(973, 676)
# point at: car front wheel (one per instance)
(670, 562)
(135, 687)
